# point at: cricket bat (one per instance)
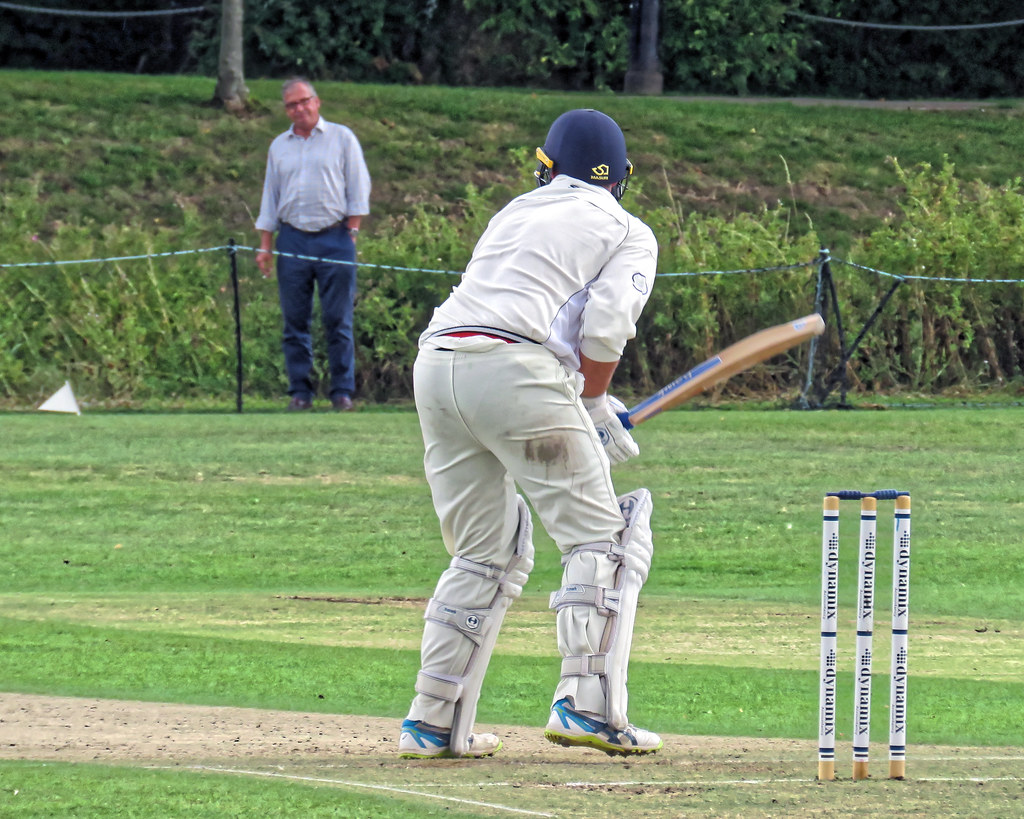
(735, 358)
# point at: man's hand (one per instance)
(618, 443)
(265, 262)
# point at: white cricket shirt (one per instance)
(563, 265)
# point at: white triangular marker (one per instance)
(62, 401)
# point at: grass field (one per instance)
(281, 562)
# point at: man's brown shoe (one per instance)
(342, 403)
(298, 403)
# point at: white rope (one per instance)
(101, 260)
(117, 14)
(899, 27)
(233, 248)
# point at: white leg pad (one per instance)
(479, 626)
(597, 610)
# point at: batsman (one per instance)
(511, 385)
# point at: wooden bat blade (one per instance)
(735, 358)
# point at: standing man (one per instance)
(315, 194)
(511, 387)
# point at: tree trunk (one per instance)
(644, 75)
(231, 91)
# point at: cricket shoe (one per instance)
(569, 727)
(422, 741)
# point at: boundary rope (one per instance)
(904, 27)
(115, 14)
(689, 274)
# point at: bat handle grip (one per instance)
(624, 418)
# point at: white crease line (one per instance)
(387, 788)
(578, 785)
(775, 780)
(629, 784)
(968, 759)
(684, 782)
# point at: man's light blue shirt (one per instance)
(316, 181)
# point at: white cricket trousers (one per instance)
(490, 420)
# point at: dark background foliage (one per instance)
(971, 63)
(706, 46)
(151, 45)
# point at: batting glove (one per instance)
(618, 443)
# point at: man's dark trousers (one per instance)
(336, 283)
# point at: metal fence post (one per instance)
(233, 255)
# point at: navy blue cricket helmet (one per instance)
(587, 145)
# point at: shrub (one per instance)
(939, 334)
(163, 327)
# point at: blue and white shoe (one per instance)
(422, 741)
(569, 727)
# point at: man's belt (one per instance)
(342, 224)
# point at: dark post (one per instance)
(644, 75)
(233, 254)
(819, 308)
(848, 354)
(839, 375)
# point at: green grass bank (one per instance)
(137, 170)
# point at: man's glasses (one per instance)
(291, 106)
